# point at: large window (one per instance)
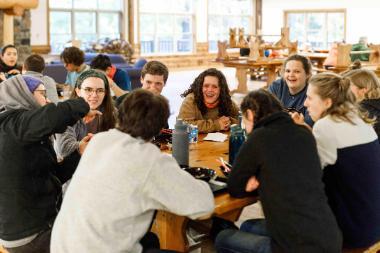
(316, 29)
(225, 14)
(166, 26)
(83, 20)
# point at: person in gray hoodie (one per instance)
(30, 176)
(121, 180)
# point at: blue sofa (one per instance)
(57, 71)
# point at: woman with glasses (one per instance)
(94, 88)
(30, 177)
(349, 151)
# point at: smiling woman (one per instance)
(94, 88)
(208, 103)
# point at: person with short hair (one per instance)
(117, 76)
(73, 60)
(8, 62)
(34, 65)
(349, 151)
(30, 177)
(208, 103)
(362, 45)
(291, 88)
(120, 182)
(288, 181)
(154, 76)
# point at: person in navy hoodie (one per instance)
(291, 88)
(349, 151)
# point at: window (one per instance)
(225, 14)
(316, 29)
(84, 20)
(166, 26)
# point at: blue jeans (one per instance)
(251, 238)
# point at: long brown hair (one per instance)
(225, 103)
(337, 88)
(107, 120)
(364, 78)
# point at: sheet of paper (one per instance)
(216, 137)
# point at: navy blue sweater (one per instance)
(350, 154)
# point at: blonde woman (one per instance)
(366, 87)
(349, 151)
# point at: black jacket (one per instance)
(283, 156)
(372, 106)
(30, 177)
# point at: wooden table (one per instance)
(319, 58)
(171, 228)
(243, 65)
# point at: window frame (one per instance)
(97, 11)
(192, 17)
(250, 17)
(323, 11)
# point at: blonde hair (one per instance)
(363, 78)
(337, 88)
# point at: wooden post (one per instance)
(8, 30)
(374, 57)
(343, 58)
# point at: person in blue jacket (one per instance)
(291, 88)
(119, 76)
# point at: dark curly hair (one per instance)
(72, 55)
(225, 102)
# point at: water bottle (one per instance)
(237, 138)
(180, 143)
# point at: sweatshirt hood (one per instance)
(15, 94)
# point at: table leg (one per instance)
(271, 74)
(241, 74)
(171, 230)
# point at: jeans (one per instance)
(251, 238)
(40, 244)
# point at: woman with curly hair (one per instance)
(349, 151)
(208, 103)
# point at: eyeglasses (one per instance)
(42, 92)
(89, 91)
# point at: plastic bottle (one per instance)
(237, 139)
(180, 143)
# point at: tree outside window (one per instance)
(84, 20)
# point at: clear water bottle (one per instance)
(237, 139)
(180, 143)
